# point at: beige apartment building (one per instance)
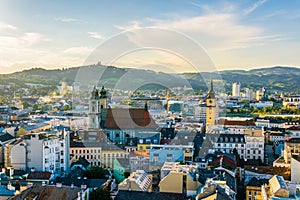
(184, 176)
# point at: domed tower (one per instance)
(103, 98)
(94, 109)
(211, 111)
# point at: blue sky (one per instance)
(235, 34)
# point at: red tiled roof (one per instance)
(225, 161)
(129, 118)
(236, 122)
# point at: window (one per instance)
(155, 160)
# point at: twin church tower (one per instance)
(98, 101)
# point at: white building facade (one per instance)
(40, 152)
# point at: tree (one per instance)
(100, 194)
(35, 107)
(126, 174)
(94, 172)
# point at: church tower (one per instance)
(211, 111)
(103, 98)
(94, 109)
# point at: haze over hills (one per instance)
(273, 78)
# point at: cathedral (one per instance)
(120, 125)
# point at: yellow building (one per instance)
(98, 153)
(110, 154)
(144, 147)
(291, 148)
(137, 181)
(276, 188)
(211, 110)
(180, 179)
(295, 169)
(253, 188)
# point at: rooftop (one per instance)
(133, 195)
(257, 181)
(227, 122)
(39, 192)
(130, 118)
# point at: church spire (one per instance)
(211, 92)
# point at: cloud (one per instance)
(132, 25)
(79, 51)
(68, 19)
(96, 35)
(224, 7)
(252, 8)
(5, 26)
(22, 41)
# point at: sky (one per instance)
(242, 34)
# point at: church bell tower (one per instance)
(94, 109)
(211, 110)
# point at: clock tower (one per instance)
(211, 110)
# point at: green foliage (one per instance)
(94, 172)
(126, 174)
(100, 194)
(35, 107)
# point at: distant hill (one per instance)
(274, 78)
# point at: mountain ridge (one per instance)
(277, 78)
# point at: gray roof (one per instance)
(133, 195)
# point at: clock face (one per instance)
(210, 101)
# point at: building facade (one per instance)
(39, 151)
